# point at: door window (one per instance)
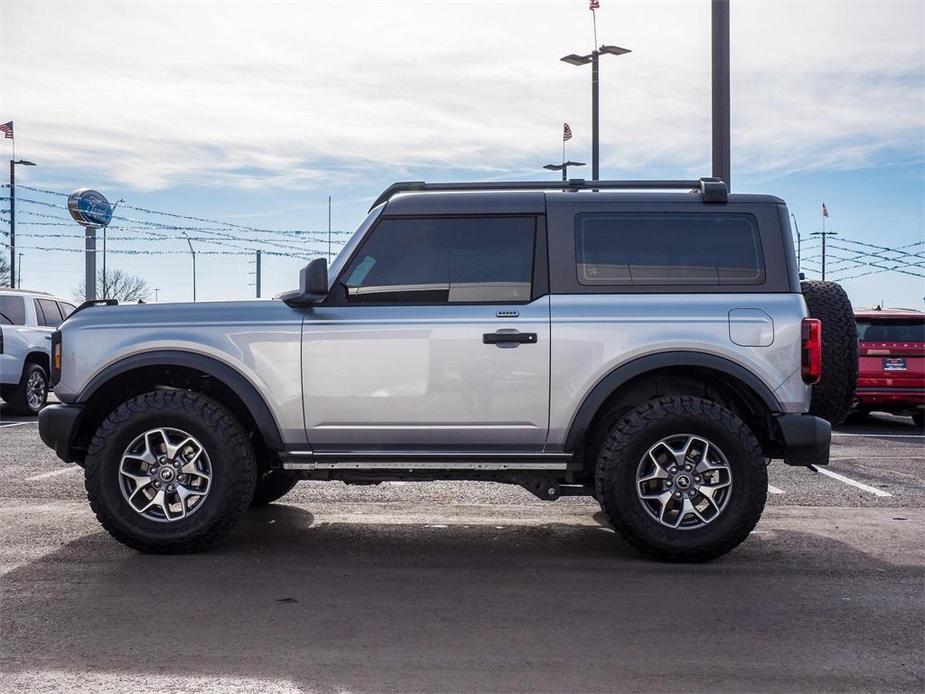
(66, 308)
(448, 260)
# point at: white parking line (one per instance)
(53, 473)
(853, 483)
(16, 424)
(774, 490)
(881, 436)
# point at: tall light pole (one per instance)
(722, 146)
(593, 58)
(194, 263)
(13, 165)
(563, 167)
(19, 279)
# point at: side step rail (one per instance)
(426, 460)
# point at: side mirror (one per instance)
(313, 285)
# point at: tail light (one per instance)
(55, 375)
(811, 353)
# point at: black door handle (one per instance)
(510, 338)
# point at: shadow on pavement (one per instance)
(551, 608)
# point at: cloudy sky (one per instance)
(255, 112)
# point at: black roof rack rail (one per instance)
(94, 302)
(711, 189)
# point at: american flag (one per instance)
(595, 5)
(566, 132)
(7, 130)
(825, 210)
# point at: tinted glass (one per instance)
(66, 308)
(891, 331)
(667, 249)
(462, 260)
(49, 314)
(12, 310)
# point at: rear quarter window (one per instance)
(671, 248)
(12, 310)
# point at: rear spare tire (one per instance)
(834, 394)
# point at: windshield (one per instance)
(338, 263)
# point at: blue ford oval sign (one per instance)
(89, 208)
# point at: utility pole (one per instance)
(258, 274)
(13, 165)
(157, 291)
(19, 277)
(329, 228)
(722, 141)
(190, 244)
(824, 234)
(799, 243)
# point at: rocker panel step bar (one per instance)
(426, 460)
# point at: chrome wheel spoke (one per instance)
(165, 474)
(684, 482)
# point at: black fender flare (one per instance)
(215, 368)
(624, 373)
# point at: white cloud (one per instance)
(256, 94)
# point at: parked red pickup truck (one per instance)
(891, 372)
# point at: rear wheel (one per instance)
(30, 396)
(170, 471)
(834, 394)
(682, 479)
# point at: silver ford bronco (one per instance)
(647, 343)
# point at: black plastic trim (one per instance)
(623, 374)
(806, 439)
(57, 426)
(242, 387)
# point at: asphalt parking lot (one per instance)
(471, 587)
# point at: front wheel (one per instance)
(682, 479)
(170, 471)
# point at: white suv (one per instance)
(27, 320)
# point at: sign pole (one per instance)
(90, 263)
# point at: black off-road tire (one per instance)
(17, 397)
(272, 485)
(233, 468)
(630, 439)
(834, 394)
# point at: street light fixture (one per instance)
(563, 167)
(13, 165)
(593, 58)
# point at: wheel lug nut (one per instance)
(170, 487)
(667, 483)
(693, 492)
(697, 478)
(688, 467)
(677, 495)
(672, 469)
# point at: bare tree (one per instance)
(118, 285)
(4, 272)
